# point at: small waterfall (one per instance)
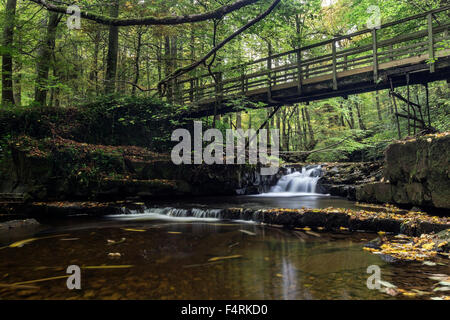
(304, 181)
(194, 212)
(171, 213)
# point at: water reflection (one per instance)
(172, 260)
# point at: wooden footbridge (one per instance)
(367, 60)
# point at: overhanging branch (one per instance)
(194, 65)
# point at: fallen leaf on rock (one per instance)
(442, 244)
(428, 246)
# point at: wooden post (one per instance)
(335, 84)
(269, 75)
(431, 43)
(375, 56)
(345, 63)
(391, 52)
(299, 72)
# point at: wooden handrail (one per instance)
(296, 70)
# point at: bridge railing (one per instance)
(373, 49)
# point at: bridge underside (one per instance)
(349, 82)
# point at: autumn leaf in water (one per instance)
(134, 230)
(21, 243)
(225, 258)
(109, 267)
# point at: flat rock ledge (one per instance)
(331, 219)
(15, 224)
(390, 219)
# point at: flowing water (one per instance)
(177, 250)
(297, 182)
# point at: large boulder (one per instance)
(416, 172)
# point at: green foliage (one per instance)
(131, 117)
(114, 120)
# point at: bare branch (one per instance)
(194, 65)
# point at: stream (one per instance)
(184, 250)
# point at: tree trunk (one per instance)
(305, 137)
(168, 67)
(94, 72)
(18, 83)
(113, 50)
(299, 128)
(360, 119)
(238, 120)
(312, 140)
(7, 63)
(45, 59)
(351, 122)
(377, 97)
(137, 60)
(283, 133)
